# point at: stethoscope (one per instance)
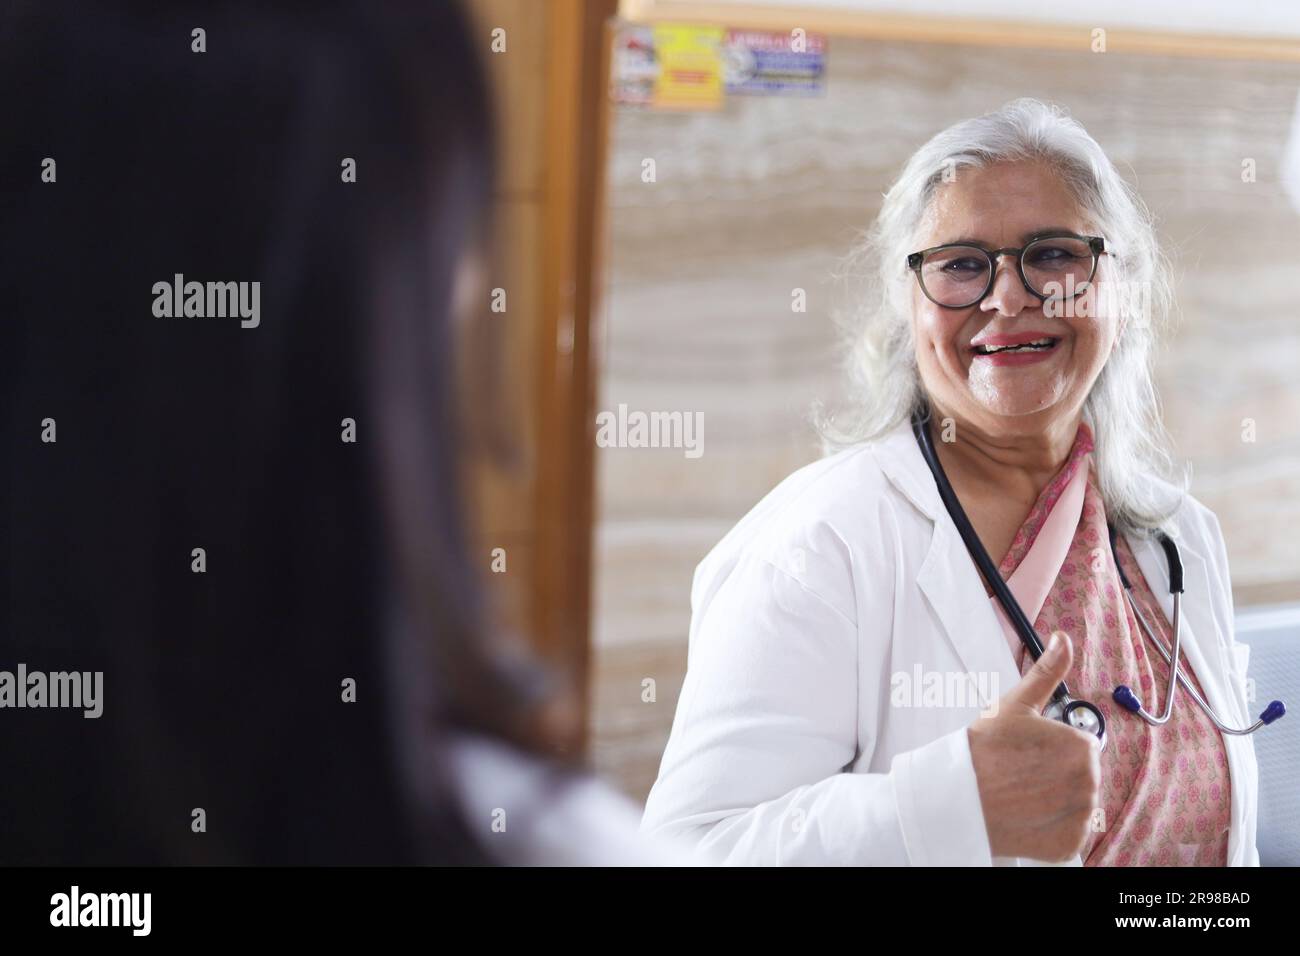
(1080, 713)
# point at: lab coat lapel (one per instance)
(950, 582)
(948, 576)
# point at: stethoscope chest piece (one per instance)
(1079, 714)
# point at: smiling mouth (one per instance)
(1037, 345)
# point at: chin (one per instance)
(1007, 403)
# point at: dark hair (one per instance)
(326, 560)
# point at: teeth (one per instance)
(1037, 343)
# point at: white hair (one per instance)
(1131, 454)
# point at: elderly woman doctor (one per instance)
(856, 692)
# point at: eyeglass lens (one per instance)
(1055, 268)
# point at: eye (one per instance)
(966, 265)
(1052, 255)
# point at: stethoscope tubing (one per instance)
(1062, 702)
(1125, 697)
(1187, 685)
(1175, 672)
(979, 554)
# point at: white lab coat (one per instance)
(785, 748)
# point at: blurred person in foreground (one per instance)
(324, 561)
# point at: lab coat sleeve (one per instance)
(755, 771)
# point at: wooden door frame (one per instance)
(572, 242)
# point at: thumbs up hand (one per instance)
(1039, 779)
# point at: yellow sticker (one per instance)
(690, 67)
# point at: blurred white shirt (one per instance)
(530, 816)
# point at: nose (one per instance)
(1008, 295)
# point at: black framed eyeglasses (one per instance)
(1056, 266)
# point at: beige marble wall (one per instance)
(767, 195)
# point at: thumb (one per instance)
(1036, 687)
